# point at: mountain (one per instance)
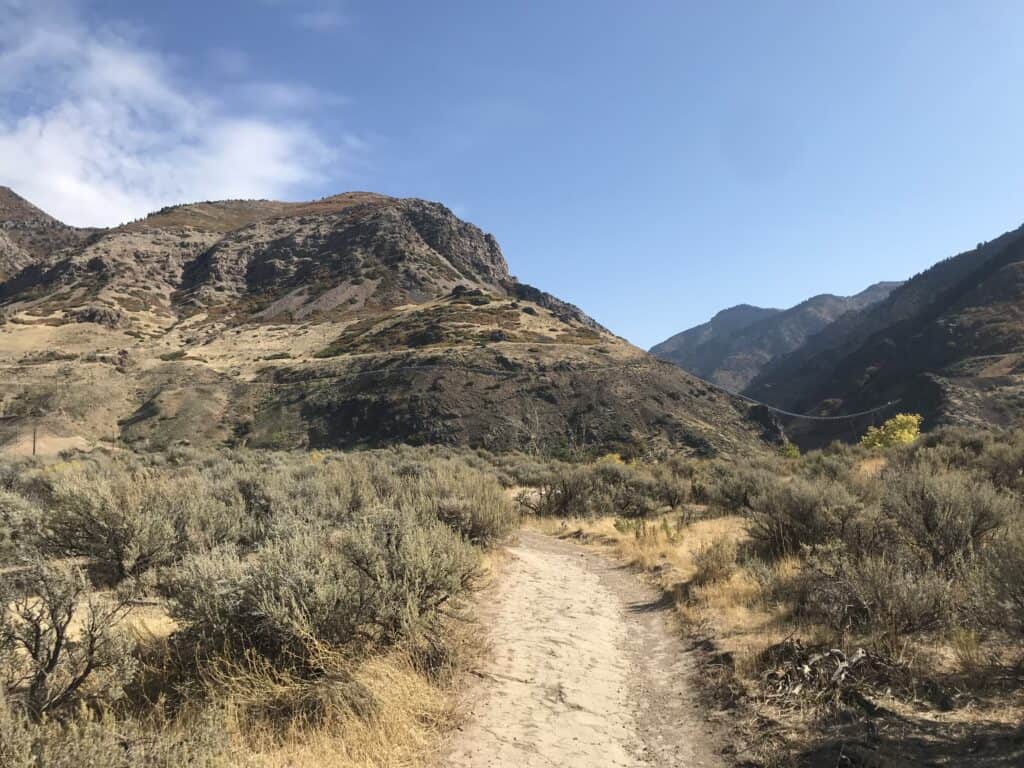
(949, 343)
(732, 348)
(355, 320)
(28, 234)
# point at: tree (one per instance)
(901, 429)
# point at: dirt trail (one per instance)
(586, 671)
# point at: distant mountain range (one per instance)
(355, 320)
(948, 343)
(734, 346)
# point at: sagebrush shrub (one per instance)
(878, 593)
(375, 583)
(944, 518)
(795, 513)
(467, 500)
(128, 519)
(715, 562)
(82, 739)
(47, 665)
(998, 583)
(17, 515)
(733, 488)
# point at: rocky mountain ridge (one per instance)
(354, 320)
(737, 343)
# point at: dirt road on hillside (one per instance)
(586, 671)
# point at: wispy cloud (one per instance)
(96, 130)
(284, 96)
(317, 15)
(320, 19)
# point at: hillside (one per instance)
(948, 343)
(355, 320)
(737, 343)
(27, 234)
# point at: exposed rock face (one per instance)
(405, 249)
(735, 345)
(355, 320)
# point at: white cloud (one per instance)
(96, 130)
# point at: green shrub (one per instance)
(789, 451)
(381, 581)
(943, 518)
(788, 515)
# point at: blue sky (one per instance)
(651, 162)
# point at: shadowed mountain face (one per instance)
(737, 343)
(948, 343)
(349, 321)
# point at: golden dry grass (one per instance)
(736, 611)
(409, 716)
(743, 619)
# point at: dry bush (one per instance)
(86, 740)
(715, 562)
(47, 665)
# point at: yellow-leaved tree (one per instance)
(901, 429)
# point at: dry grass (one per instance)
(409, 716)
(743, 616)
(736, 611)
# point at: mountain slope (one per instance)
(732, 348)
(948, 343)
(27, 234)
(355, 320)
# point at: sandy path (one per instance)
(586, 671)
